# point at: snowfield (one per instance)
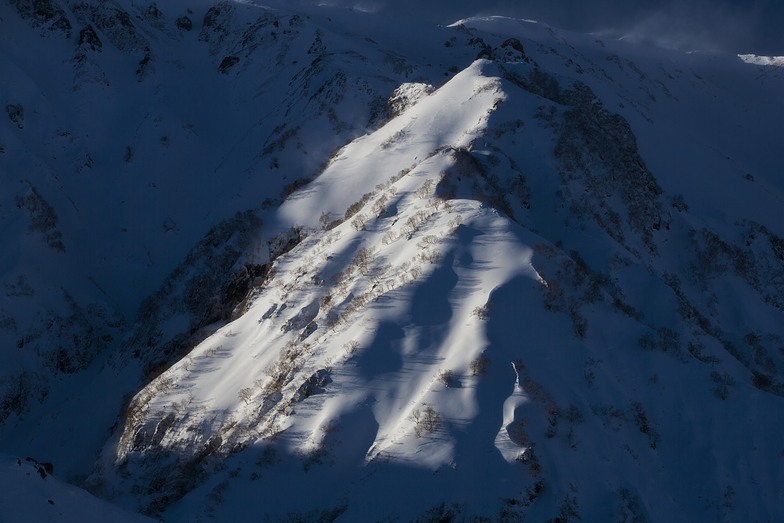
(28, 492)
(303, 264)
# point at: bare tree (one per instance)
(446, 377)
(425, 422)
(246, 395)
(478, 366)
(363, 259)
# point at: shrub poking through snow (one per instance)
(446, 377)
(425, 421)
(246, 395)
(359, 221)
(478, 367)
(481, 312)
(356, 206)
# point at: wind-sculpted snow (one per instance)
(404, 254)
(430, 323)
(491, 271)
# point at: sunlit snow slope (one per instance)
(491, 271)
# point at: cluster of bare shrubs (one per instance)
(478, 367)
(354, 306)
(293, 186)
(380, 205)
(138, 408)
(360, 265)
(351, 347)
(482, 312)
(407, 272)
(386, 144)
(411, 225)
(291, 358)
(355, 207)
(43, 218)
(426, 421)
(446, 377)
(246, 395)
(426, 189)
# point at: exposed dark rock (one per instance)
(302, 318)
(600, 147)
(241, 285)
(184, 23)
(153, 12)
(163, 427)
(483, 46)
(227, 63)
(510, 50)
(43, 218)
(317, 47)
(515, 44)
(88, 38)
(43, 469)
(199, 287)
(285, 241)
(215, 24)
(309, 329)
(15, 114)
(600, 161)
(44, 13)
(114, 23)
(313, 385)
(145, 65)
(18, 392)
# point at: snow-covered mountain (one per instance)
(29, 492)
(319, 264)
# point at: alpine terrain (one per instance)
(277, 263)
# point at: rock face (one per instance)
(492, 255)
(45, 14)
(184, 23)
(113, 22)
(314, 385)
(88, 38)
(15, 114)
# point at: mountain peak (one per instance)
(473, 268)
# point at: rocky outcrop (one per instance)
(115, 24)
(47, 15)
(16, 114)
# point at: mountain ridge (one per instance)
(515, 273)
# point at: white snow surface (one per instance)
(509, 272)
(777, 61)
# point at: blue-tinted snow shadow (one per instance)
(477, 441)
(339, 260)
(353, 435)
(429, 314)
(288, 483)
(383, 355)
(430, 301)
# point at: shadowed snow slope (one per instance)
(490, 271)
(28, 492)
